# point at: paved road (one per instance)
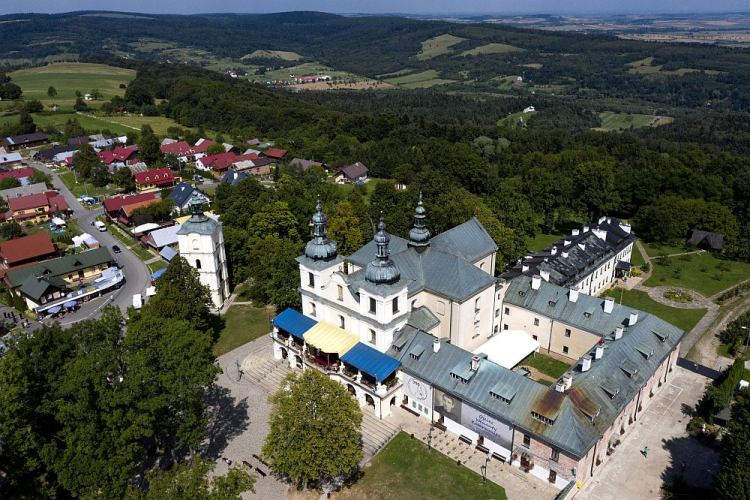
(137, 277)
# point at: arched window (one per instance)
(481, 266)
(313, 309)
(197, 263)
(196, 245)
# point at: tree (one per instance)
(26, 124)
(33, 106)
(180, 295)
(124, 178)
(345, 229)
(275, 219)
(274, 272)
(95, 94)
(10, 91)
(39, 176)
(148, 149)
(215, 149)
(10, 182)
(595, 188)
(190, 480)
(12, 230)
(85, 160)
(73, 128)
(100, 175)
(51, 91)
(314, 429)
(733, 480)
(80, 106)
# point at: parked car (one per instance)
(100, 226)
(116, 249)
(198, 178)
(137, 301)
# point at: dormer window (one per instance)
(542, 418)
(458, 377)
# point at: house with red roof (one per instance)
(181, 149)
(201, 146)
(22, 175)
(118, 155)
(275, 154)
(218, 163)
(113, 205)
(27, 250)
(155, 179)
(34, 208)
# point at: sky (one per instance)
(380, 6)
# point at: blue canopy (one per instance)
(371, 361)
(294, 322)
(53, 310)
(70, 303)
(158, 273)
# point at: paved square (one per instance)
(662, 427)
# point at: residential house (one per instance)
(306, 164)
(113, 205)
(275, 154)
(155, 179)
(352, 174)
(126, 211)
(218, 163)
(201, 146)
(706, 240)
(167, 141)
(161, 238)
(259, 167)
(23, 175)
(231, 148)
(24, 141)
(250, 151)
(181, 149)
(77, 141)
(50, 280)
(56, 154)
(182, 194)
(233, 177)
(253, 142)
(34, 208)
(27, 249)
(28, 189)
(119, 155)
(589, 260)
(11, 161)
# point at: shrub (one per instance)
(646, 267)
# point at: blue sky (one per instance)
(380, 6)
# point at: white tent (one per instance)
(150, 226)
(58, 221)
(508, 348)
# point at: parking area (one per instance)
(662, 427)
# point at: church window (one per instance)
(340, 292)
(373, 305)
(196, 246)
(395, 305)
(197, 263)
(311, 280)
(440, 307)
(342, 322)
(373, 337)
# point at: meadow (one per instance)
(438, 46)
(420, 80)
(621, 121)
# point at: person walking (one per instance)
(645, 452)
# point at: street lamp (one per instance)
(484, 468)
(429, 439)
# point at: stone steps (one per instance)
(376, 433)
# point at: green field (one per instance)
(57, 121)
(540, 241)
(681, 318)
(637, 258)
(545, 364)
(512, 119)
(396, 471)
(369, 187)
(438, 46)
(657, 249)
(310, 69)
(242, 324)
(704, 273)
(621, 121)
(420, 80)
(79, 189)
(492, 48)
(67, 78)
(287, 56)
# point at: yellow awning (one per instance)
(329, 338)
(181, 220)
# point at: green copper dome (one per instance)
(382, 270)
(419, 236)
(320, 247)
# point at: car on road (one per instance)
(100, 225)
(198, 178)
(116, 249)
(137, 301)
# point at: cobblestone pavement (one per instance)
(662, 427)
(518, 485)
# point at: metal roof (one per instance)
(371, 361)
(58, 267)
(294, 322)
(168, 253)
(423, 319)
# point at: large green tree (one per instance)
(274, 272)
(314, 429)
(345, 229)
(148, 149)
(274, 219)
(733, 481)
(85, 160)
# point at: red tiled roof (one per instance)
(106, 156)
(220, 161)
(28, 247)
(158, 176)
(129, 208)
(122, 154)
(116, 203)
(180, 148)
(57, 202)
(276, 153)
(249, 156)
(202, 145)
(28, 201)
(21, 173)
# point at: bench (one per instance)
(464, 439)
(483, 449)
(498, 456)
(257, 469)
(410, 410)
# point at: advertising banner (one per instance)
(491, 428)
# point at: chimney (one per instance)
(618, 332)
(565, 255)
(582, 246)
(560, 387)
(585, 229)
(436, 345)
(599, 351)
(553, 251)
(602, 219)
(575, 232)
(474, 363)
(625, 227)
(600, 233)
(609, 305)
(573, 295)
(524, 268)
(586, 363)
(567, 380)
(544, 275)
(536, 282)
(633, 318)
(566, 242)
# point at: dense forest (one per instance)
(591, 68)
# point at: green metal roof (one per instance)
(59, 267)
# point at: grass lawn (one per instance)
(396, 471)
(81, 189)
(622, 121)
(656, 249)
(58, 120)
(704, 273)
(512, 119)
(546, 364)
(540, 241)
(637, 258)
(309, 69)
(242, 324)
(681, 318)
(369, 187)
(437, 46)
(142, 253)
(67, 78)
(157, 266)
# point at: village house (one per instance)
(26, 250)
(113, 205)
(306, 164)
(34, 208)
(201, 146)
(218, 163)
(352, 174)
(155, 179)
(706, 240)
(275, 154)
(233, 177)
(28, 189)
(589, 260)
(119, 155)
(23, 175)
(11, 161)
(57, 154)
(251, 164)
(183, 193)
(24, 141)
(125, 214)
(181, 149)
(162, 238)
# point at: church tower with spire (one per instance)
(419, 236)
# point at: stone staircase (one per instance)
(375, 433)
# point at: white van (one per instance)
(137, 301)
(100, 225)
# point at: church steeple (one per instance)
(419, 236)
(382, 270)
(320, 247)
(196, 209)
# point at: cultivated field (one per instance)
(357, 85)
(67, 78)
(646, 67)
(420, 80)
(310, 69)
(621, 121)
(491, 48)
(287, 56)
(438, 46)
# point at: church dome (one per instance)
(382, 270)
(320, 247)
(419, 236)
